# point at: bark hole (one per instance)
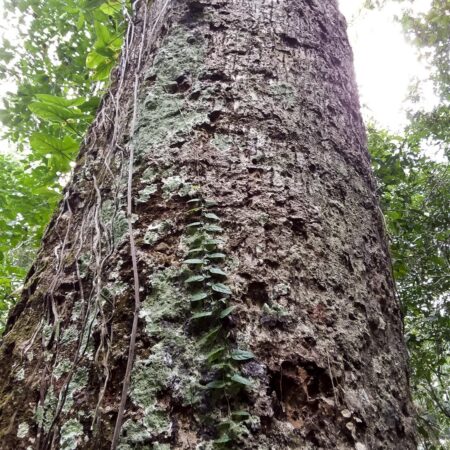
(257, 293)
(298, 390)
(299, 227)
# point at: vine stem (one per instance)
(137, 301)
(137, 304)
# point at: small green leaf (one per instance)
(211, 242)
(241, 380)
(194, 200)
(221, 288)
(196, 250)
(194, 225)
(226, 312)
(194, 261)
(241, 355)
(216, 256)
(202, 314)
(214, 229)
(211, 335)
(199, 296)
(195, 279)
(240, 413)
(216, 384)
(217, 271)
(211, 216)
(211, 356)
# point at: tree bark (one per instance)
(250, 105)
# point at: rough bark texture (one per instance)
(251, 104)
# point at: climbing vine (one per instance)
(211, 307)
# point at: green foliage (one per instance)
(430, 32)
(23, 215)
(415, 197)
(210, 303)
(415, 200)
(60, 66)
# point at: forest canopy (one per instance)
(62, 66)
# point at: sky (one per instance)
(385, 63)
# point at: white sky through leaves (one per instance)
(385, 63)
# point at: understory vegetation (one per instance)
(61, 67)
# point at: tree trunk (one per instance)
(231, 138)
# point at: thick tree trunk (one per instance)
(250, 104)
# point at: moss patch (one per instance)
(172, 365)
(222, 141)
(156, 231)
(284, 92)
(146, 193)
(71, 432)
(23, 430)
(165, 114)
(45, 413)
(114, 218)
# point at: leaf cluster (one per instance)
(211, 308)
(414, 192)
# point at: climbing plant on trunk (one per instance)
(216, 275)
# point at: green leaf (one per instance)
(202, 314)
(194, 261)
(210, 336)
(211, 216)
(103, 35)
(59, 101)
(195, 279)
(214, 229)
(43, 143)
(213, 355)
(216, 256)
(226, 312)
(241, 413)
(196, 250)
(53, 113)
(242, 355)
(199, 296)
(241, 380)
(211, 242)
(94, 60)
(217, 271)
(92, 4)
(216, 384)
(221, 288)
(194, 225)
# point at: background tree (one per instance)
(230, 146)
